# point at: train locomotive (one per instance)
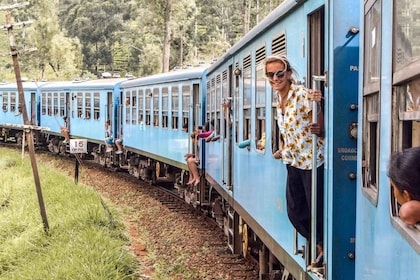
(364, 58)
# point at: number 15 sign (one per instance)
(78, 146)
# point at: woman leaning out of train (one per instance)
(193, 160)
(404, 174)
(296, 147)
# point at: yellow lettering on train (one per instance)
(347, 150)
(347, 158)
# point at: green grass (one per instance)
(83, 241)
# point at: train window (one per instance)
(225, 95)
(247, 98)
(141, 105)
(370, 146)
(43, 103)
(406, 29)
(175, 107)
(79, 101)
(371, 99)
(406, 99)
(55, 103)
(148, 106)
(217, 104)
(96, 105)
(186, 93)
(134, 107)
(406, 128)
(278, 46)
(156, 107)
(88, 106)
(236, 108)
(127, 107)
(165, 107)
(49, 102)
(275, 132)
(210, 98)
(5, 101)
(12, 101)
(62, 104)
(372, 46)
(260, 111)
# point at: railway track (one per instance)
(201, 231)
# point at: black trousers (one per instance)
(298, 196)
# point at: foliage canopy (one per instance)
(77, 38)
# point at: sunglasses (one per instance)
(279, 74)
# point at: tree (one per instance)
(95, 23)
(56, 55)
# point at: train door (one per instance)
(197, 120)
(67, 106)
(108, 107)
(226, 128)
(227, 111)
(340, 55)
(316, 48)
(32, 116)
(118, 121)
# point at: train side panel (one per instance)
(341, 97)
(11, 116)
(158, 116)
(258, 188)
(386, 248)
(312, 31)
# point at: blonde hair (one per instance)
(280, 58)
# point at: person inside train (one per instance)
(19, 112)
(296, 148)
(227, 112)
(404, 175)
(108, 136)
(413, 93)
(65, 130)
(261, 142)
(185, 127)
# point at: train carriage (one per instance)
(87, 105)
(320, 42)
(11, 117)
(157, 116)
(363, 55)
(362, 230)
(389, 121)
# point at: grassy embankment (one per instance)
(85, 240)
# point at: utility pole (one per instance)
(27, 127)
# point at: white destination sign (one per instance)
(78, 146)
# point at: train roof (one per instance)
(276, 15)
(84, 84)
(178, 75)
(26, 85)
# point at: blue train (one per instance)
(364, 57)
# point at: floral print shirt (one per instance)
(294, 129)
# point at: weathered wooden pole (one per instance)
(26, 121)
